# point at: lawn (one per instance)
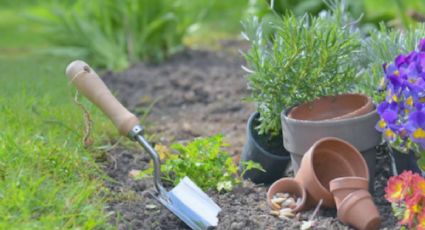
(48, 179)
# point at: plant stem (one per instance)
(316, 210)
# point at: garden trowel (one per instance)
(187, 201)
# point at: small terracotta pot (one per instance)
(341, 187)
(333, 107)
(287, 185)
(359, 211)
(327, 159)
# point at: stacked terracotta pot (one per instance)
(350, 117)
(334, 171)
(354, 203)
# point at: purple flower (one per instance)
(382, 107)
(390, 116)
(396, 82)
(402, 112)
(400, 60)
(390, 69)
(416, 127)
(421, 62)
(421, 46)
(417, 119)
(390, 135)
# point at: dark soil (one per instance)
(198, 93)
(194, 93)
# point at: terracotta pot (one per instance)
(265, 150)
(327, 159)
(287, 185)
(299, 136)
(342, 186)
(359, 211)
(333, 107)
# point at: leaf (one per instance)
(224, 185)
(204, 161)
(162, 151)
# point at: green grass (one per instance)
(48, 180)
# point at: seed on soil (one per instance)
(134, 173)
(281, 195)
(276, 206)
(278, 200)
(284, 200)
(274, 213)
(286, 212)
(306, 225)
(288, 203)
(150, 206)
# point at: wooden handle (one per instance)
(88, 83)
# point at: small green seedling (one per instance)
(204, 161)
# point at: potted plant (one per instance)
(266, 150)
(402, 112)
(350, 117)
(296, 60)
(381, 47)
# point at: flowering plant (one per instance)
(406, 192)
(403, 110)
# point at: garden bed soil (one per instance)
(199, 93)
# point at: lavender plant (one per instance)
(403, 110)
(293, 60)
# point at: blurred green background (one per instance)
(114, 34)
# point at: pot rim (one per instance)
(284, 115)
(358, 154)
(299, 187)
(258, 146)
(367, 101)
(341, 183)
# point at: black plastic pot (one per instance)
(265, 150)
(403, 161)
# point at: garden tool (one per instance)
(187, 201)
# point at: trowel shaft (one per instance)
(137, 134)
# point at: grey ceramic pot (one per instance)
(299, 136)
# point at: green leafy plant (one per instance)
(204, 161)
(293, 60)
(116, 33)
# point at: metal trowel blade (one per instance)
(188, 202)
